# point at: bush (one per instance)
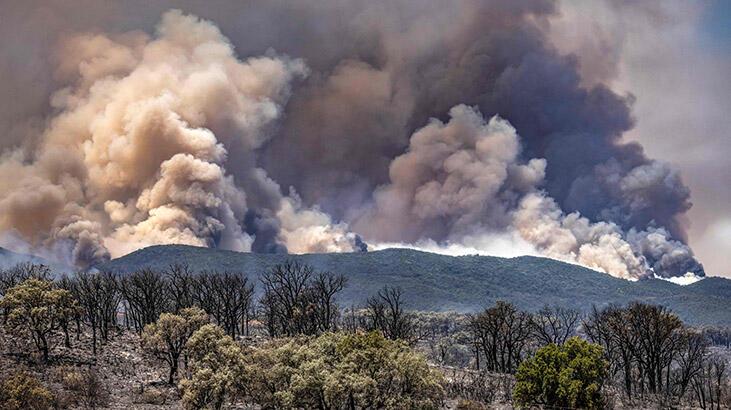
(35, 309)
(216, 369)
(335, 370)
(166, 338)
(570, 375)
(86, 386)
(155, 396)
(22, 391)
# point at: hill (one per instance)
(463, 283)
(9, 259)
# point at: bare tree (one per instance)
(656, 329)
(555, 324)
(181, 286)
(387, 314)
(227, 297)
(652, 351)
(609, 328)
(85, 288)
(502, 334)
(709, 383)
(99, 296)
(297, 300)
(326, 285)
(690, 359)
(110, 297)
(145, 294)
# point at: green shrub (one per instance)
(35, 309)
(335, 370)
(566, 376)
(216, 369)
(167, 337)
(21, 391)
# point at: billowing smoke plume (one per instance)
(465, 178)
(456, 179)
(173, 138)
(137, 152)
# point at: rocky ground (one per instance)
(127, 379)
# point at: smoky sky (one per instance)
(375, 76)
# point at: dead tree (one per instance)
(386, 314)
(297, 300)
(226, 296)
(286, 298)
(181, 286)
(145, 293)
(554, 324)
(502, 334)
(326, 285)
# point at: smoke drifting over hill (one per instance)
(373, 122)
(136, 154)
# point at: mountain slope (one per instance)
(465, 283)
(9, 259)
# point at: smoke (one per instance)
(507, 244)
(464, 179)
(455, 179)
(172, 138)
(421, 60)
(137, 152)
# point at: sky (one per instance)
(595, 132)
(680, 78)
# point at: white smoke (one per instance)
(688, 279)
(138, 150)
(156, 139)
(311, 230)
(507, 244)
(575, 239)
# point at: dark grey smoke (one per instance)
(265, 229)
(379, 70)
(494, 55)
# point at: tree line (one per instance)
(190, 321)
(643, 351)
(649, 352)
(296, 300)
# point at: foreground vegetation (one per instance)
(208, 340)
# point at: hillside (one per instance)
(465, 283)
(9, 258)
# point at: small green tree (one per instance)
(36, 309)
(167, 337)
(217, 369)
(22, 391)
(566, 376)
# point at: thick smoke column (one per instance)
(465, 178)
(421, 59)
(456, 179)
(137, 153)
(174, 139)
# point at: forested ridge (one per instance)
(465, 284)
